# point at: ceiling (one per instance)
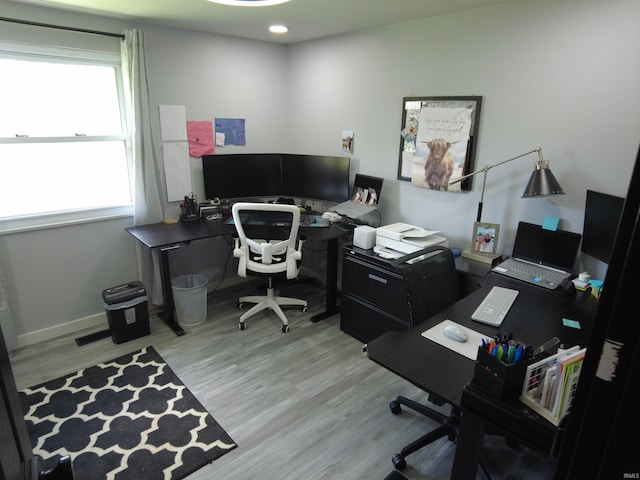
(306, 19)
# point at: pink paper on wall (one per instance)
(200, 135)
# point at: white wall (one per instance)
(560, 74)
(555, 74)
(55, 277)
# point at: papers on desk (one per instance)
(468, 349)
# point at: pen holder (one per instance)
(501, 379)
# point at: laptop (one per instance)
(364, 198)
(541, 257)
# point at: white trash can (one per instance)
(190, 296)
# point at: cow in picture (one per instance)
(439, 165)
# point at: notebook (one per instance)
(541, 257)
(364, 199)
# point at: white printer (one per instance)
(399, 239)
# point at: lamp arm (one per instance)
(485, 169)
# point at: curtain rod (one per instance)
(72, 29)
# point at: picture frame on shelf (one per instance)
(485, 238)
(484, 243)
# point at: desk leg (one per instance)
(168, 316)
(468, 446)
(332, 282)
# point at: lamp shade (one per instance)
(542, 182)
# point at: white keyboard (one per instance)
(495, 306)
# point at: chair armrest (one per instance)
(237, 251)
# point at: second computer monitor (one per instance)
(315, 177)
(601, 218)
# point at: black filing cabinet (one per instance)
(376, 295)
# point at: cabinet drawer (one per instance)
(378, 286)
(366, 322)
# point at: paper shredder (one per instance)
(127, 311)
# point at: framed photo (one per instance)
(485, 238)
(438, 137)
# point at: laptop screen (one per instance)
(552, 248)
(366, 190)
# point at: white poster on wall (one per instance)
(177, 170)
(175, 151)
(173, 123)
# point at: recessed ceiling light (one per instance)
(278, 29)
(249, 3)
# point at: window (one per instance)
(65, 148)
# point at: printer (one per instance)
(398, 239)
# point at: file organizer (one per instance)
(550, 383)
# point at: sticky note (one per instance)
(551, 223)
(571, 323)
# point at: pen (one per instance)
(518, 354)
(512, 354)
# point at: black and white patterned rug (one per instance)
(130, 418)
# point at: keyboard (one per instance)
(495, 306)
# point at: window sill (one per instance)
(61, 219)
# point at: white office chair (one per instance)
(267, 256)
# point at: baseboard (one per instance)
(100, 319)
(75, 326)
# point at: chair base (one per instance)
(449, 425)
(269, 301)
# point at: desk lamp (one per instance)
(541, 184)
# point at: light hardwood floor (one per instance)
(307, 404)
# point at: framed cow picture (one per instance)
(438, 139)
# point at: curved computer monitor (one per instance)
(315, 177)
(601, 218)
(241, 175)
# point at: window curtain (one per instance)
(148, 206)
(6, 321)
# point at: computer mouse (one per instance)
(456, 333)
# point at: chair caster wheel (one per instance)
(240, 305)
(242, 326)
(399, 463)
(285, 328)
(305, 309)
(395, 407)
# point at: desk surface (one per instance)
(535, 317)
(162, 234)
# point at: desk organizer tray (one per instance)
(550, 383)
(501, 379)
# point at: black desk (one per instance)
(331, 236)
(534, 318)
(169, 237)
